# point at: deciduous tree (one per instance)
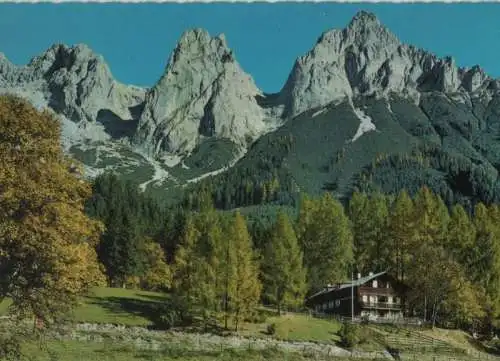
(47, 243)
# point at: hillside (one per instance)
(440, 143)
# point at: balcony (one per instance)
(380, 305)
(377, 291)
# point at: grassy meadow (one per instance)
(139, 308)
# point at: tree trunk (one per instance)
(425, 308)
(225, 312)
(434, 312)
(236, 319)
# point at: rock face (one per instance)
(75, 82)
(203, 93)
(365, 59)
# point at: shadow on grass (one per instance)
(154, 308)
(477, 344)
(149, 307)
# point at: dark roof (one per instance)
(355, 283)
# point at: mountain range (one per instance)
(360, 110)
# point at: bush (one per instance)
(10, 348)
(349, 335)
(271, 329)
(256, 317)
(170, 314)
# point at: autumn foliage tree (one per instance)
(47, 243)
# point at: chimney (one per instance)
(371, 274)
(359, 276)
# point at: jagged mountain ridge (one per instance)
(203, 93)
(205, 110)
(365, 58)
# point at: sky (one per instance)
(137, 39)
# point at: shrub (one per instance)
(271, 329)
(256, 317)
(10, 348)
(349, 335)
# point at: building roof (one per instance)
(355, 283)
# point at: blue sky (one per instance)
(136, 39)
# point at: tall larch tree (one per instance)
(328, 244)
(401, 232)
(186, 269)
(245, 294)
(461, 237)
(47, 243)
(378, 215)
(283, 271)
(360, 220)
(486, 256)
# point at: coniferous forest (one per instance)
(284, 256)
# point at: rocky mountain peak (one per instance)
(197, 48)
(73, 81)
(203, 93)
(61, 57)
(366, 58)
(366, 29)
(364, 22)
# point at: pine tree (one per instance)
(283, 271)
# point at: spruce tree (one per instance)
(122, 249)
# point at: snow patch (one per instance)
(159, 176)
(389, 108)
(220, 170)
(321, 111)
(366, 124)
(171, 160)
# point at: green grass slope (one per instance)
(444, 143)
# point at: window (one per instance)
(337, 303)
(388, 285)
(330, 304)
(389, 299)
(365, 298)
(374, 285)
(396, 299)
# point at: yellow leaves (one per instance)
(46, 241)
(159, 275)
